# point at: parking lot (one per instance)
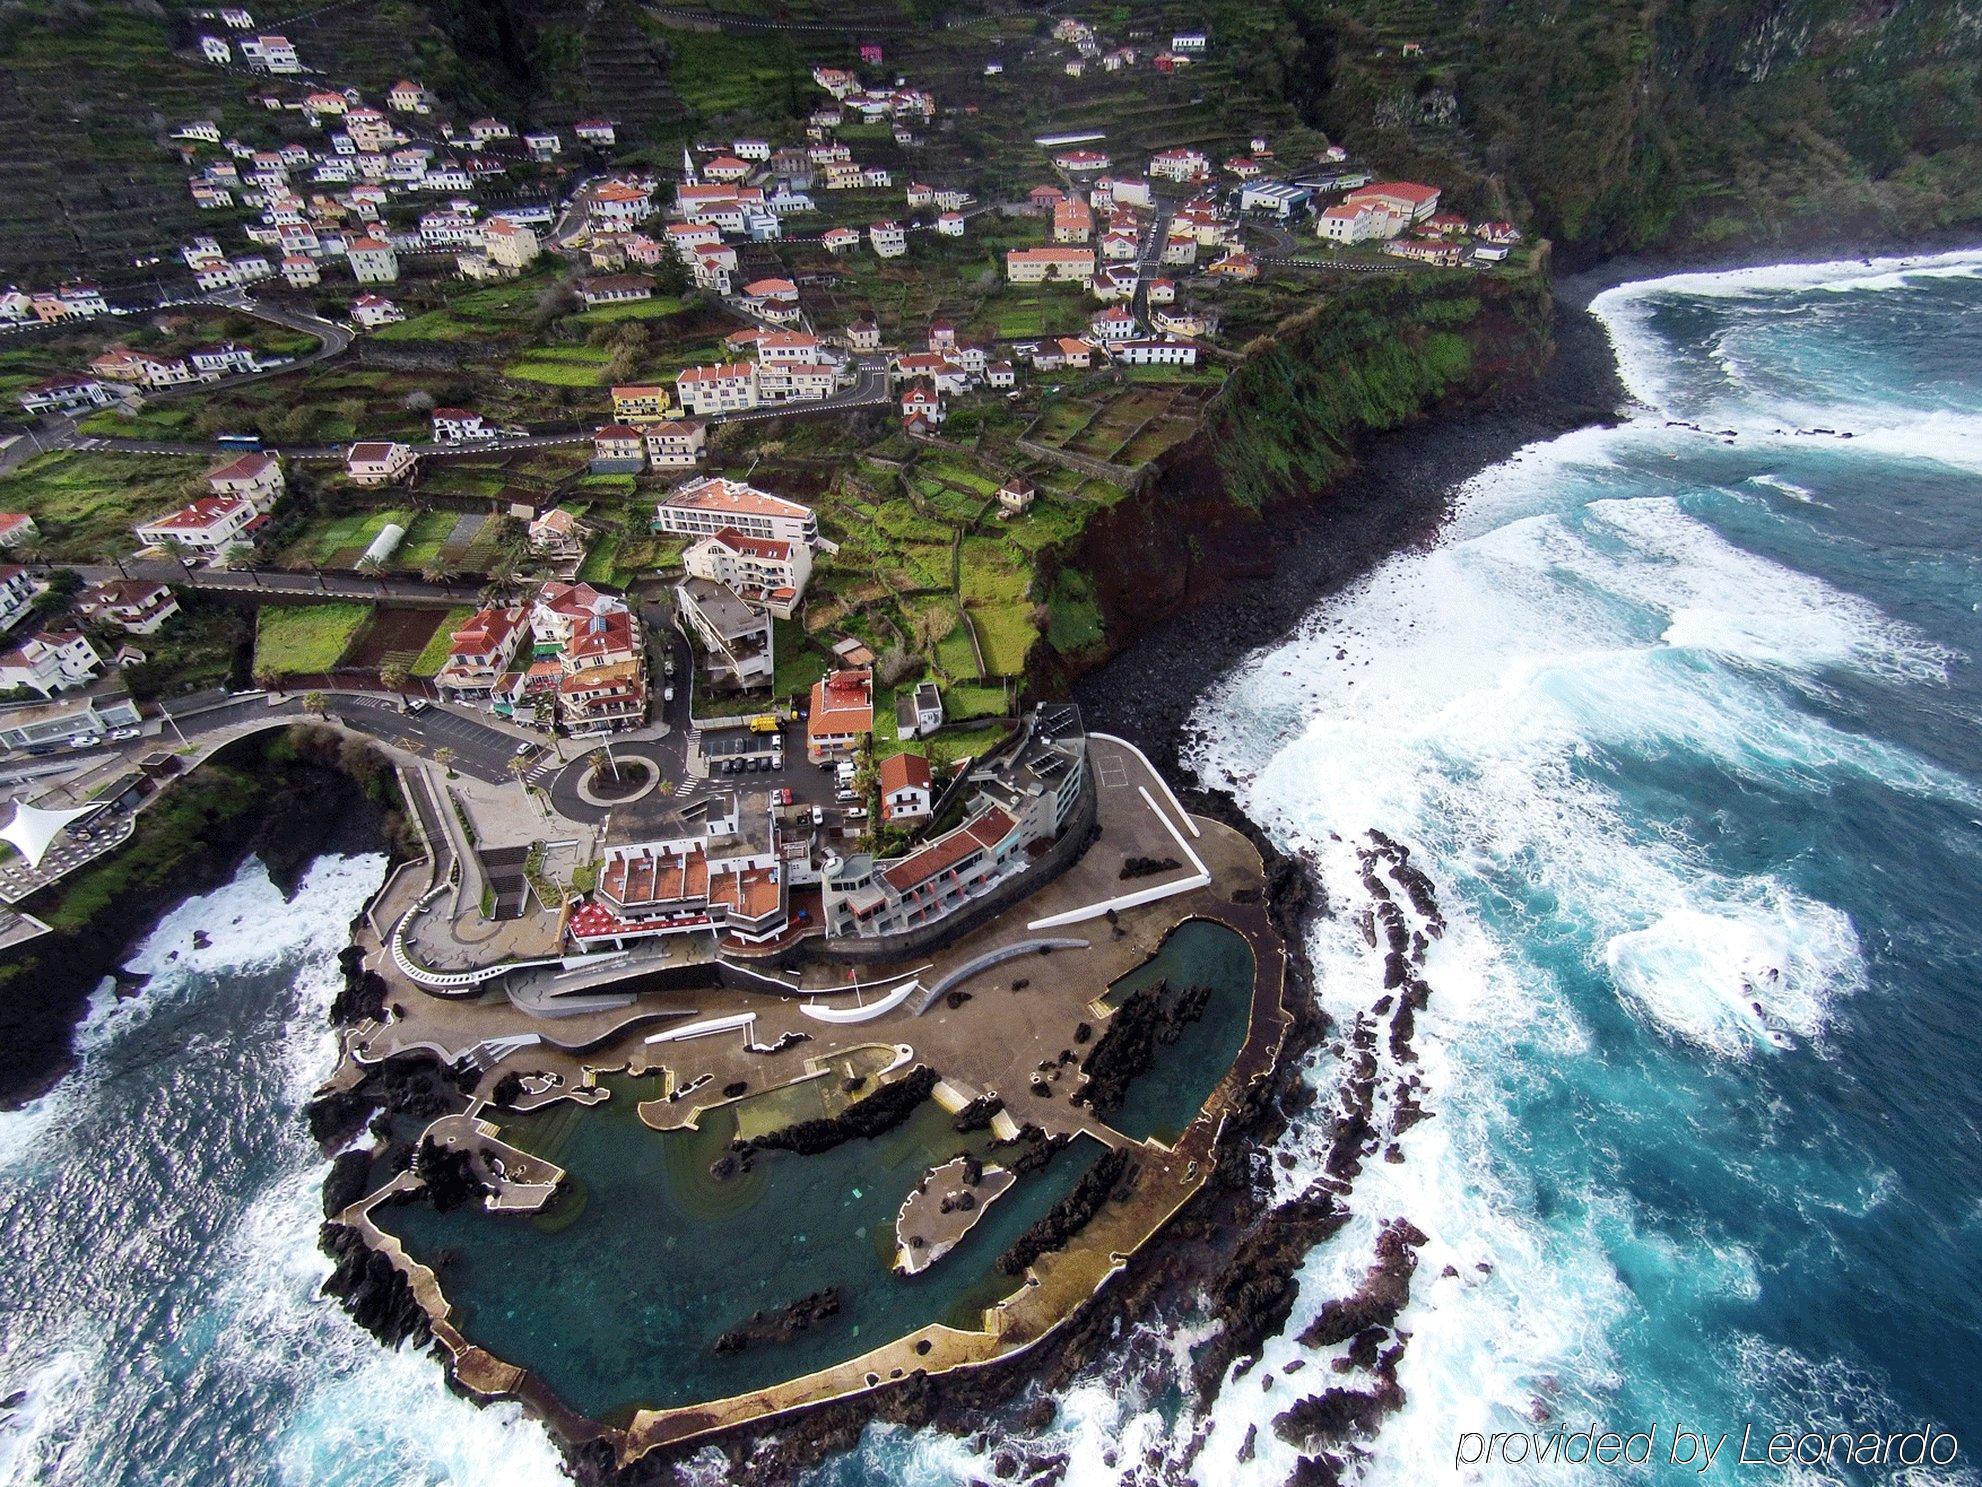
(478, 750)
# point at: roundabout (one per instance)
(607, 782)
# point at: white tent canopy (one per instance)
(34, 828)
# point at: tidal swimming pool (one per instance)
(616, 1295)
(1162, 1101)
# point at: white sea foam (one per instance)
(37, 1433)
(1788, 488)
(1771, 281)
(348, 1413)
(1487, 702)
(1652, 372)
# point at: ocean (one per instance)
(159, 1318)
(1681, 717)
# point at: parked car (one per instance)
(856, 813)
(523, 748)
(818, 815)
(126, 733)
(784, 797)
(418, 705)
(82, 741)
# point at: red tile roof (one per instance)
(842, 703)
(904, 772)
(244, 467)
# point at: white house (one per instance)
(761, 570)
(907, 788)
(17, 593)
(1356, 222)
(918, 712)
(379, 462)
(676, 444)
(706, 505)
(276, 54)
(372, 261)
(50, 662)
(723, 388)
(135, 606)
(459, 426)
(1049, 264)
(206, 527)
(615, 289)
(374, 310)
(255, 477)
(1154, 352)
(1016, 495)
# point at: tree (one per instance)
(393, 676)
(444, 757)
(317, 703)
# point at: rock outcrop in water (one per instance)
(1149, 1018)
(783, 1324)
(1069, 1216)
(372, 1290)
(874, 1115)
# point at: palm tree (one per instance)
(393, 676)
(444, 757)
(317, 703)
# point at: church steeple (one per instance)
(687, 166)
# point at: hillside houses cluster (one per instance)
(1098, 224)
(1091, 50)
(320, 202)
(573, 657)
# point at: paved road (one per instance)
(332, 340)
(1150, 260)
(480, 749)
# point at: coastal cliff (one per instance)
(1296, 422)
(286, 797)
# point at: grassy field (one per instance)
(495, 310)
(434, 656)
(561, 366)
(86, 503)
(659, 306)
(305, 639)
(339, 541)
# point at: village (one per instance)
(680, 519)
(1135, 261)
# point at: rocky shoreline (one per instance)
(1397, 498)
(287, 811)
